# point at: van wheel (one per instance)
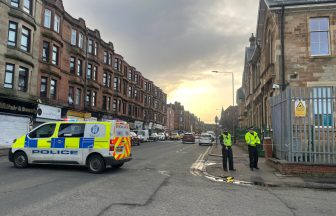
(117, 166)
(20, 160)
(96, 164)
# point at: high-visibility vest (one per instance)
(252, 139)
(227, 139)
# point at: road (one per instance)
(158, 181)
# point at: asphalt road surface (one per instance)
(158, 181)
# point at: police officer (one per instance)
(226, 143)
(252, 140)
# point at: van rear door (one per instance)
(120, 138)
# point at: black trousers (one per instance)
(253, 155)
(227, 155)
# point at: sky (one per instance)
(177, 43)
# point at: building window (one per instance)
(78, 96)
(95, 48)
(12, 32)
(57, 23)
(25, 39)
(23, 79)
(319, 36)
(81, 41)
(104, 102)
(110, 59)
(45, 51)
(105, 79)
(94, 97)
(114, 106)
(108, 80)
(90, 46)
(79, 67)
(129, 109)
(55, 53)
(27, 6)
(89, 71)
(94, 75)
(88, 97)
(130, 91)
(124, 108)
(73, 37)
(72, 64)
(136, 94)
(15, 3)
(9, 76)
(129, 74)
(47, 18)
(105, 57)
(53, 88)
(108, 103)
(71, 95)
(115, 83)
(43, 89)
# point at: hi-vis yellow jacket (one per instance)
(226, 139)
(252, 139)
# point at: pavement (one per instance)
(265, 176)
(4, 151)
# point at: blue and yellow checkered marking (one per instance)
(60, 142)
(86, 143)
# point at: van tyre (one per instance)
(96, 164)
(20, 160)
(117, 166)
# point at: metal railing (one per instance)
(303, 121)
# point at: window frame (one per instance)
(79, 71)
(55, 55)
(319, 31)
(73, 40)
(45, 84)
(81, 40)
(53, 89)
(28, 10)
(78, 96)
(23, 88)
(57, 23)
(47, 18)
(89, 71)
(45, 53)
(71, 94)
(33, 131)
(15, 3)
(15, 31)
(12, 72)
(27, 36)
(81, 125)
(72, 70)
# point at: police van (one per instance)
(92, 144)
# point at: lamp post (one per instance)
(233, 124)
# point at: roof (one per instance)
(275, 3)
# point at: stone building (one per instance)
(52, 66)
(294, 46)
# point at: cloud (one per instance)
(176, 43)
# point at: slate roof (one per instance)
(274, 3)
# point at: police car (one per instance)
(92, 144)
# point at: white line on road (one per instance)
(198, 166)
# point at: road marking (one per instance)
(198, 166)
(164, 172)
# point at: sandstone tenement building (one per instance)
(54, 63)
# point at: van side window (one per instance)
(71, 130)
(45, 131)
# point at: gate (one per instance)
(303, 121)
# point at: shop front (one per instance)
(15, 119)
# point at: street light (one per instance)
(233, 103)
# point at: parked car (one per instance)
(213, 135)
(134, 138)
(174, 136)
(205, 139)
(154, 137)
(188, 138)
(161, 136)
(143, 135)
